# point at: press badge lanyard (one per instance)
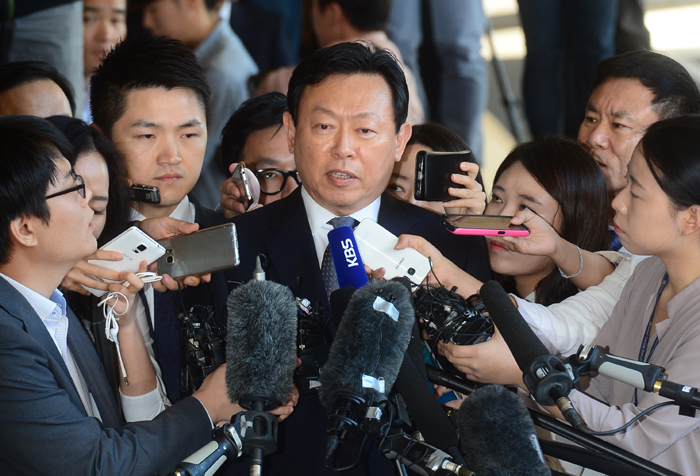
(645, 341)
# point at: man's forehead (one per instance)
(620, 97)
(152, 100)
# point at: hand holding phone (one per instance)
(434, 174)
(135, 246)
(376, 246)
(239, 194)
(482, 225)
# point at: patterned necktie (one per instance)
(615, 244)
(330, 279)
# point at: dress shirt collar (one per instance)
(184, 212)
(49, 310)
(319, 216)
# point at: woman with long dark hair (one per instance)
(561, 183)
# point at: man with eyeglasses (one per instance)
(255, 134)
(58, 413)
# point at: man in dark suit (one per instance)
(346, 127)
(57, 412)
(151, 98)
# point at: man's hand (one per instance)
(166, 227)
(214, 397)
(129, 292)
(81, 273)
(232, 191)
(470, 200)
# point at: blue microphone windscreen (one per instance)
(346, 258)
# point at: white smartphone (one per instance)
(136, 246)
(376, 246)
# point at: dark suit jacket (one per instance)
(281, 232)
(45, 429)
(213, 293)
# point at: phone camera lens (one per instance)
(169, 260)
(411, 271)
(141, 247)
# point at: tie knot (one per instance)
(343, 221)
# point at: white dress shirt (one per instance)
(319, 218)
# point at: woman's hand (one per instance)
(470, 200)
(543, 240)
(121, 309)
(81, 273)
(487, 362)
(448, 273)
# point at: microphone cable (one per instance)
(111, 317)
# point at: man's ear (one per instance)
(23, 231)
(402, 139)
(291, 130)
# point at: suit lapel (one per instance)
(292, 252)
(15, 304)
(91, 368)
(394, 217)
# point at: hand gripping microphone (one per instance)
(261, 358)
(497, 436)
(544, 375)
(365, 357)
(346, 258)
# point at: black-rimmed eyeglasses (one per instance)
(272, 181)
(79, 187)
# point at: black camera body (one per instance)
(202, 347)
(447, 316)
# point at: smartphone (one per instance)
(239, 173)
(144, 193)
(433, 174)
(136, 246)
(482, 225)
(376, 246)
(204, 251)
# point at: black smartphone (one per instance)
(433, 172)
(144, 193)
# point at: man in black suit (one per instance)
(346, 126)
(151, 98)
(57, 412)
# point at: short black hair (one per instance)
(255, 114)
(675, 92)
(365, 15)
(211, 5)
(20, 72)
(346, 59)
(85, 140)
(141, 63)
(30, 146)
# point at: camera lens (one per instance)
(411, 271)
(141, 247)
(169, 260)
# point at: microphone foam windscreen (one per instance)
(521, 340)
(261, 341)
(497, 436)
(369, 341)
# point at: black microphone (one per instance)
(497, 434)
(544, 375)
(261, 356)
(642, 375)
(366, 355)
